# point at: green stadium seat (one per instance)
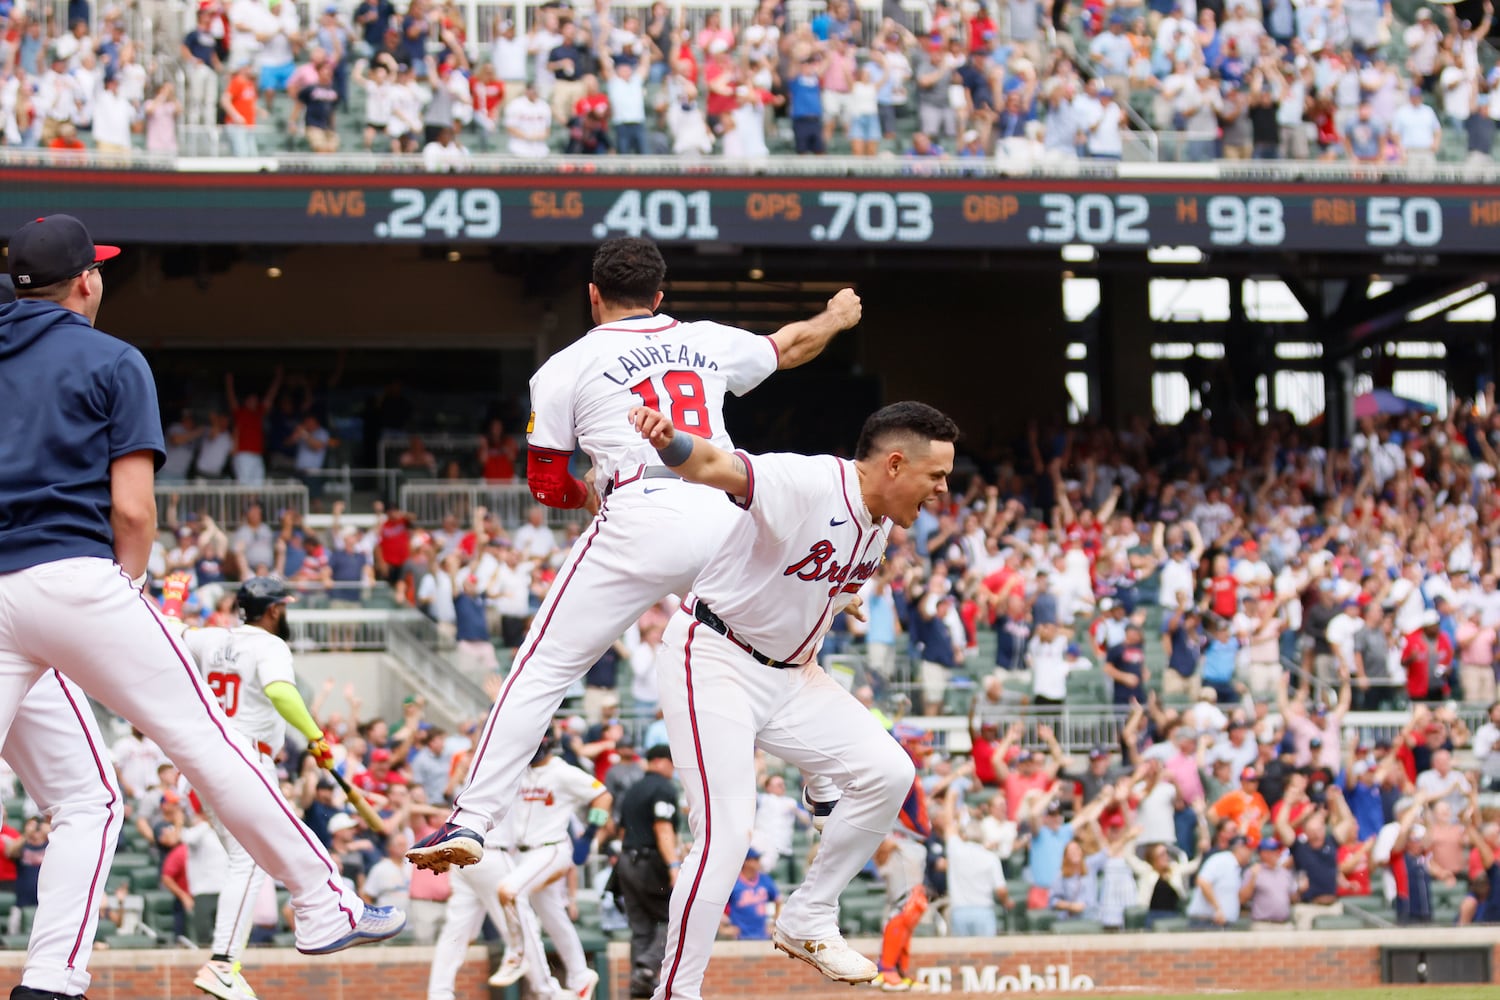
(1332, 923)
(135, 942)
(1135, 918)
(1170, 925)
(1077, 927)
(1040, 921)
(7, 900)
(14, 942)
(129, 859)
(105, 930)
(144, 879)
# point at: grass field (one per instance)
(1446, 992)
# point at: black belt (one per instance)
(538, 847)
(643, 472)
(704, 614)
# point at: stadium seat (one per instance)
(125, 860)
(137, 942)
(14, 942)
(1040, 921)
(7, 900)
(105, 930)
(1135, 918)
(1331, 923)
(1170, 925)
(144, 879)
(1077, 927)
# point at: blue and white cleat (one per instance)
(378, 924)
(446, 846)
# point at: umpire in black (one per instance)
(648, 866)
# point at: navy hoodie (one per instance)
(72, 400)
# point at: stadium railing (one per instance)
(393, 443)
(677, 168)
(226, 503)
(411, 638)
(430, 502)
(355, 630)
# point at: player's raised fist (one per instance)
(846, 306)
(653, 425)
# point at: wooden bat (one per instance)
(357, 800)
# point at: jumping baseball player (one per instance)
(77, 523)
(652, 534)
(739, 671)
(249, 667)
(552, 791)
(55, 748)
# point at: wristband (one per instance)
(598, 817)
(677, 451)
(675, 865)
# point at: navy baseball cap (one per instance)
(53, 249)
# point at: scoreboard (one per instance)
(569, 205)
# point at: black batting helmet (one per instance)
(259, 593)
(547, 746)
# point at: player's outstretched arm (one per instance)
(692, 458)
(798, 343)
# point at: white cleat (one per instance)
(223, 980)
(512, 968)
(831, 956)
(590, 983)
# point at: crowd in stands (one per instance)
(1023, 80)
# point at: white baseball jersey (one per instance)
(584, 393)
(238, 663)
(799, 558)
(550, 795)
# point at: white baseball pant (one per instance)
(539, 876)
(639, 548)
(235, 918)
(55, 748)
(476, 894)
(719, 705)
(123, 654)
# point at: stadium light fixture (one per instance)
(454, 256)
(273, 272)
(1447, 302)
(1079, 253)
(1175, 255)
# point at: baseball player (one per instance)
(77, 523)
(55, 748)
(476, 894)
(552, 791)
(739, 671)
(249, 668)
(652, 533)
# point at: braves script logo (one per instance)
(542, 795)
(819, 564)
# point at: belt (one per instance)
(538, 847)
(704, 614)
(641, 472)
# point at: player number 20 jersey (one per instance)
(582, 396)
(238, 663)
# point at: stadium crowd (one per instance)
(1023, 80)
(1225, 596)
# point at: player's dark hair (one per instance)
(629, 271)
(910, 420)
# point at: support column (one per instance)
(1125, 334)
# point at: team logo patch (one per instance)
(531, 422)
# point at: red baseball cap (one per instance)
(52, 249)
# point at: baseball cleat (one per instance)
(831, 956)
(820, 810)
(378, 924)
(446, 846)
(586, 991)
(223, 980)
(512, 967)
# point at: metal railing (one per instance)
(363, 630)
(429, 503)
(343, 482)
(447, 689)
(226, 503)
(831, 167)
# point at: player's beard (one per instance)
(283, 630)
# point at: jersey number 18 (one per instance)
(689, 409)
(227, 688)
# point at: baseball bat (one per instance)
(357, 800)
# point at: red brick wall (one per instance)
(1143, 964)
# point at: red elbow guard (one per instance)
(550, 482)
